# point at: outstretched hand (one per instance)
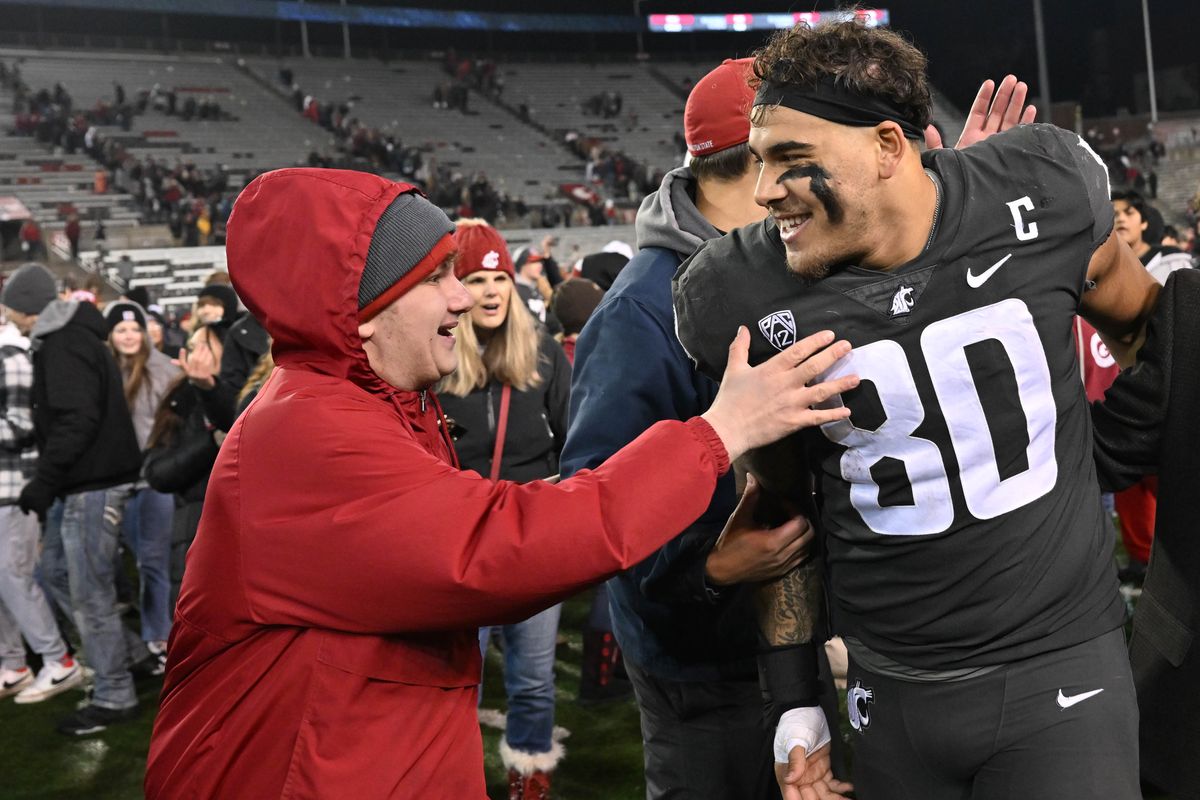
(200, 366)
(995, 109)
(756, 406)
(806, 777)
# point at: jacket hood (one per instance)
(297, 242)
(61, 313)
(669, 217)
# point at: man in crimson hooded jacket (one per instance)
(324, 642)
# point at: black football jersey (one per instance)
(960, 505)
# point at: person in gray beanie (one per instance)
(28, 290)
(328, 614)
(24, 609)
(88, 459)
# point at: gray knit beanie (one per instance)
(405, 234)
(29, 289)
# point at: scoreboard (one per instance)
(704, 23)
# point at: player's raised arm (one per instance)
(1120, 299)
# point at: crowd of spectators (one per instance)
(112, 442)
(462, 194)
(193, 202)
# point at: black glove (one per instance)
(36, 498)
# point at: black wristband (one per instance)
(788, 677)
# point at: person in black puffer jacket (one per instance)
(181, 451)
(88, 459)
(511, 378)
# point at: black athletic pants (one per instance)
(704, 740)
(1058, 726)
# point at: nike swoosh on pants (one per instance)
(1066, 702)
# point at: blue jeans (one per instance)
(529, 679)
(77, 570)
(147, 529)
(24, 609)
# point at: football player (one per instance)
(966, 564)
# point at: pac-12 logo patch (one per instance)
(779, 328)
(858, 701)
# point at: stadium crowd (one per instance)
(563, 387)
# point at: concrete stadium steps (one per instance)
(49, 184)
(265, 135)
(173, 275)
(397, 98)
(1178, 182)
(683, 74)
(555, 93)
(1179, 171)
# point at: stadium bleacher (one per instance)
(174, 275)
(556, 95)
(264, 135)
(397, 98)
(261, 129)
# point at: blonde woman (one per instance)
(508, 402)
(147, 374)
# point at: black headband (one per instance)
(837, 103)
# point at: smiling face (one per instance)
(410, 344)
(127, 337)
(815, 179)
(492, 292)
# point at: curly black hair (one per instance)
(871, 61)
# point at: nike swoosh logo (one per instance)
(57, 681)
(1066, 702)
(975, 281)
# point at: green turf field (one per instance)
(604, 754)
(604, 750)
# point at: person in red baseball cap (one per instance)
(686, 632)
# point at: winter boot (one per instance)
(529, 773)
(528, 787)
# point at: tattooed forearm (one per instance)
(790, 607)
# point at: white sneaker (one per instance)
(54, 677)
(14, 680)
